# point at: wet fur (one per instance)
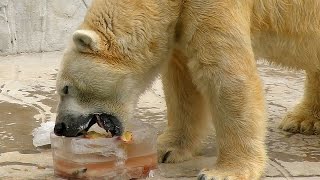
(206, 51)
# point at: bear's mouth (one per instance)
(106, 121)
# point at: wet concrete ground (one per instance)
(27, 98)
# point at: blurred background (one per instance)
(38, 25)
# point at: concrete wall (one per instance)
(38, 25)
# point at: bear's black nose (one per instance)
(59, 129)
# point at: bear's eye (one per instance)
(65, 90)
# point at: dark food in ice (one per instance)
(108, 122)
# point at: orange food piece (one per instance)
(93, 135)
(126, 136)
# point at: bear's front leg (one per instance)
(238, 110)
(186, 112)
(225, 73)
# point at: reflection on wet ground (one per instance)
(14, 133)
(27, 98)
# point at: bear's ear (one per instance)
(86, 40)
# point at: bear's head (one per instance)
(114, 55)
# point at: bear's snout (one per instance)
(71, 125)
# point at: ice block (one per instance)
(106, 158)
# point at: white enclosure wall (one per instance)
(38, 25)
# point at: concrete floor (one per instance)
(27, 98)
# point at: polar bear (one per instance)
(205, 51)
